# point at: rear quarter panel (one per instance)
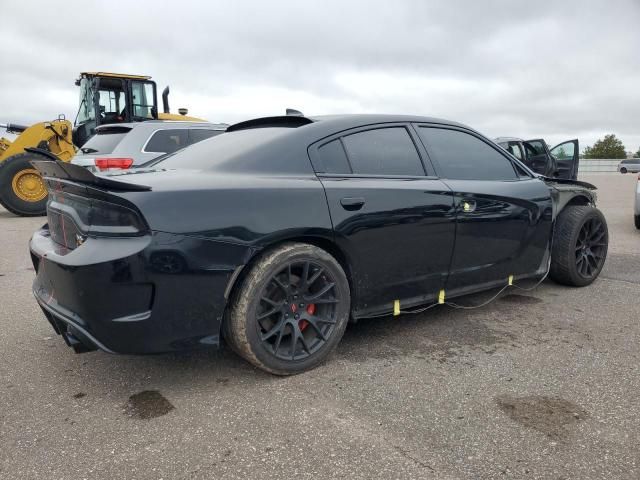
(250, 210)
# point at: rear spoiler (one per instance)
(76, 173)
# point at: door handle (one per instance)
(352, 203)
(467, 205)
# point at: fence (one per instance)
(594, 165)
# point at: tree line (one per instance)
(608, 147)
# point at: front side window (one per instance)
(383, 151)
(463, 156)
(167, 141)
(564, 151)
(143, 98)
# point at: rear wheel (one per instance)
(580, 242)
(22, 190)
(290, 311)
(636, 221)
(623, 170)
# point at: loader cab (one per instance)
(109, 98)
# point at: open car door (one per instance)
(538, 158)
(567, 155)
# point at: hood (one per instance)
(564, 181)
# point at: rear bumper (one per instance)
(73, 334)
(150, 294)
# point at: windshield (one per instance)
(220, 149)
(86, 112)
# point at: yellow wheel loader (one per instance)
(105, 98)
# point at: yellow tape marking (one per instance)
(396, 307)
(441, 297)
(510, 280)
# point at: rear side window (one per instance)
(333, 158)
(103, 142)
(383, 151)
(167, 141)
(198, 134)
(462, 156)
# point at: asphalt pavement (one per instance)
(540, 384)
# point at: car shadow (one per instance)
(440, 335)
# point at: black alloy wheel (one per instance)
(591, 248)
(580, 243)
(297, 311)
(290, 310)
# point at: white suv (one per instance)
(127, 145)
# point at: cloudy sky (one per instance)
(555, 70)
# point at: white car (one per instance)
(631, 165)
(636, 207)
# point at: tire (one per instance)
(580, 243)
(636, 221)
(307, 332)
(623, 170)
(22, 190)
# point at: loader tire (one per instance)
(22, 190)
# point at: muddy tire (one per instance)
(580, 243)
(22, 190)
(290, 311)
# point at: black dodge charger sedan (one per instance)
(276, 233)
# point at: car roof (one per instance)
(508, 139)
(280, 144)
(161, 125)
(334, 123)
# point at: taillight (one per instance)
(113, 163)
(90, 216)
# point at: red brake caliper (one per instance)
(311, 309)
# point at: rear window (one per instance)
(103, 142)
(220, 149)
(198, 134)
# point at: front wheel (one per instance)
(580, 243)
(623, 170)
(22, 190)
(636, 221)
(290, 311)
